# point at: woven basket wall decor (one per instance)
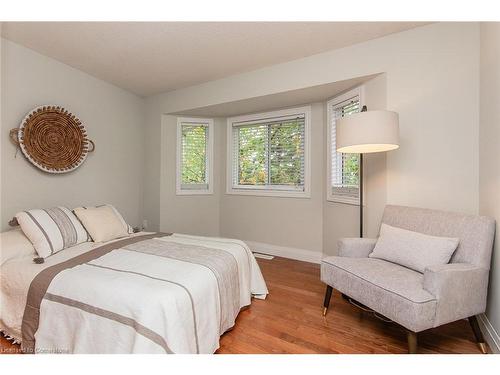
(53, 139)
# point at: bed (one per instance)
(146, 293)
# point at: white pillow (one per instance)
(51, 230)
(128, 227)
(102, 223)
(14, 244)
(412, 249)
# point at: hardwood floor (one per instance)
(290, 321)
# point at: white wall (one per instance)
(281, 220)
(114, 120)
(432, 80)
(489, 155)
(190, 214)
(289, 222)
(152, 171)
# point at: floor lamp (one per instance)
(367, 132)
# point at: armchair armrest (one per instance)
(460, 290)
(356, 247)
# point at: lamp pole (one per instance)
(361, 195)
(364, 109)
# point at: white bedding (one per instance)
(15, 279)
(59, 324)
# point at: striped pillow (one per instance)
(52, 229)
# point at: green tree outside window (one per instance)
(194, 154)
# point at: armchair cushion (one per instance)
(460, 290)
(356, 247)
(413, 249)
(394, 291)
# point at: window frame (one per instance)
(209, 123)
(359, 92)
(266, 191)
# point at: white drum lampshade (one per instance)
(367, 132)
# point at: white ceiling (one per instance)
(152, 57)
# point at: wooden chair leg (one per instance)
(328, 295)
(412, 342)
(478, 334)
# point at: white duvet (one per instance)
(181, 316)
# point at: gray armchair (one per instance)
(442, 294)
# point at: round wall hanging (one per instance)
(53, 139)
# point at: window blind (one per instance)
(194, 161)
(344, 167)
(269, 154)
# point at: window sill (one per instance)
(270, 193)
(350, 201)
(193, 192)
